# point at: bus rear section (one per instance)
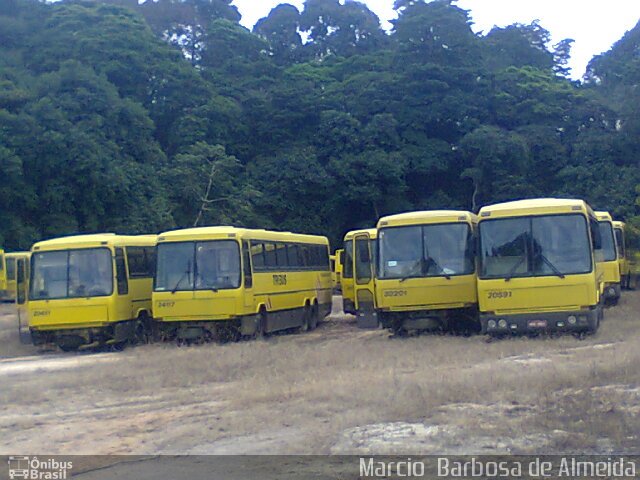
(624, 260)
(537, 270)
(607, 260)
(224, 283)
(90, 291)
(426, 275)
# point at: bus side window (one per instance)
(246, 259)
(141, 262)
(121, 273)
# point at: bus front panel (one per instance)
(426, 267)
(537, 272)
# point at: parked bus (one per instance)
(426, 273)
(91, 290)
(350, 305)
(537, 269)
(3, 277)
(607, 258)
(221, 283)
(624, 262)
(11, 260)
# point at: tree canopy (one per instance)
(141, 117)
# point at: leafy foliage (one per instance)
(140, 117)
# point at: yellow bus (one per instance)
(3, 277)
(624, 262)
(537, 269)
(369, 237)
(11, 260)
(607, 258)
(222, 283)
(87, 291)
(426, 274)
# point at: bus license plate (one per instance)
(537, 323)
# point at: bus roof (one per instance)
(95, 240)
(427, 217)
(373, 233)
(603, 216)
(618, 224)
(18, 255)
(535, 206)
(214, 233)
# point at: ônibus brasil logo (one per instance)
(32, 468)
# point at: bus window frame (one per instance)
(67, 297)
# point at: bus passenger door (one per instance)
(364, 282)
(247, 294)
(21, 301)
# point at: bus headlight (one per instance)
(491, 324)
(502, 323)
(572, 319)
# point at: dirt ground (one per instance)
(336, 390)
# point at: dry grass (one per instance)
(304, 390)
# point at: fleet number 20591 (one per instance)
(500, 294)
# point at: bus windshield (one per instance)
(425, 251)
(608, 242)
(534, 246)
(71, 274)
(211, 265)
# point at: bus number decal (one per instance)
(395, 293)
(166, 304)
(279, 279)
(500, 294)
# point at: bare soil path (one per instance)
(337, 389)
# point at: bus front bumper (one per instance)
(525, 323)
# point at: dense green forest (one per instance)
(116, 116)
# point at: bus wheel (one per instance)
(306, 318)
(261, 328)
(313, 320)
(142, 334)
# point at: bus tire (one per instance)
(261, 327)
(143, 333)
(306, 318)
(313, 318)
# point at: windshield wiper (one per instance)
(185, 274)
(512, 272)
(434, 261)
(551, 265)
